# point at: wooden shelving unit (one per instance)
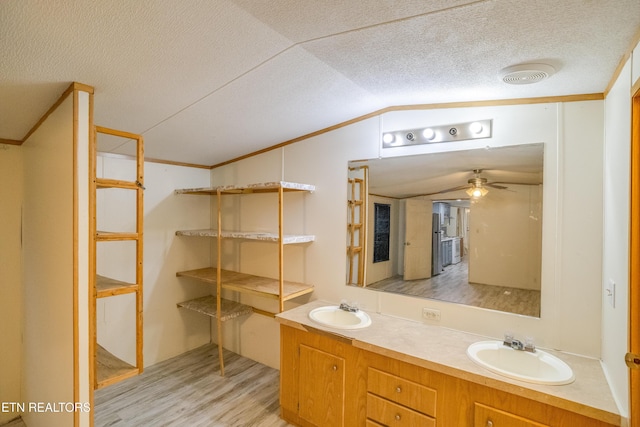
(357, 225)
(106, 367)
(277, 289)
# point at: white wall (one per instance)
(47, 374)
(505, 238)
(616, 230)
(11, 193)
(572, 134)
(168, 330)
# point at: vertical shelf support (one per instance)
(139, 250)
(281, 248)
(219, 285)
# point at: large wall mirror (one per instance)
(463, 227)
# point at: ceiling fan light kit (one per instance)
(477, 187)
(478, 129)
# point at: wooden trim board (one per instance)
(634, 262)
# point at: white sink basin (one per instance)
(335, 317)
(539, 367)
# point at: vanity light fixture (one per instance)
(434, 134)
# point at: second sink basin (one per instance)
(539, 367)
(334, 317)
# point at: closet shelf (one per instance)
(110, 369)
(288, 239)
(249, 284)
(110, 236)
(107, 287)
(207, 305)
(263, 187)
(102, 183)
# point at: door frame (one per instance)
(634, 259)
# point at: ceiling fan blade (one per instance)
(493, 185)
(516, 183)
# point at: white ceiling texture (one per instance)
(206, 81)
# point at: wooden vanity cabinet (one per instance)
(321, 387)
(325, 381)
(486, 416)
(319, 381)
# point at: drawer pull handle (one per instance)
(335, 367)
(398, 389)
(397, 417)
(489, 423)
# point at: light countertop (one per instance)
(444, 350)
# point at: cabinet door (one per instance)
(321, 387)
(486, 416)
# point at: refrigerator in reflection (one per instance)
(436, 246)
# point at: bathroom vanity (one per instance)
(403, 373)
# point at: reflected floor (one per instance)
(453, 286)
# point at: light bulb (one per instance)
(387, 138)
(475, 127)
(428, 134)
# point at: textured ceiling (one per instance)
(207, 81)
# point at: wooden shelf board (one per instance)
(104, 183)
(247, 283)
(207, 305)
(111, 369)
(265, 187)
(107, 287)
(104, 236)
(288, 239)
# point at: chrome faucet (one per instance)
(346, 307)
(515, 344)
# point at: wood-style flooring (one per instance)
(188, 390)
(453, 286)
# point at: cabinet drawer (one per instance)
(486, 416)
(404, 392)
(393, 415)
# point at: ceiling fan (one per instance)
(476, 187)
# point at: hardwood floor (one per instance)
(187, 390)
(453, 286)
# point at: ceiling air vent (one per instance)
(525, 74)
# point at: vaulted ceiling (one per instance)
(208, 81)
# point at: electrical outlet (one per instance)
(610, 293)
(431, 314)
